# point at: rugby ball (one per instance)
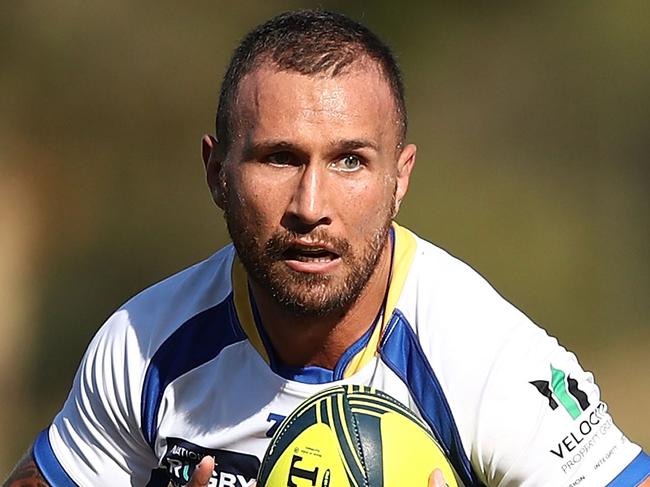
(352, 436)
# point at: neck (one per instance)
(300, 341)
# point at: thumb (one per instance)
(202, 472)
(436, 479)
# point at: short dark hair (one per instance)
(308, 42)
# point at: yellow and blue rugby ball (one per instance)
(352, 436)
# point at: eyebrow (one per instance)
(353, 144)
(253, 148)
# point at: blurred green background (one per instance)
(533, 126)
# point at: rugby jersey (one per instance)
(185, 369)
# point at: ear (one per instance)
(405, 164)
(213, 161)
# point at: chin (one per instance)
(316, 296)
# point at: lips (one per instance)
(313, 253)
(310, 253)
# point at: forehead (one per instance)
(289, 105)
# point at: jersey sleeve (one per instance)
(96, 438)
(542, 421)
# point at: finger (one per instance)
(436, 479)
(202, 472)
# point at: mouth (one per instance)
(311, 258)
(304, 253)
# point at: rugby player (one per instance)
(187, 381)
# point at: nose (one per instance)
(309, 205)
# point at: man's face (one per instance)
(311, 182)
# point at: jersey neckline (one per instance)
(361, 352)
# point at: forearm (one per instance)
(25, 474)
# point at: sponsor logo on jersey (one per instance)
(231, 469)
(590, 431)
(581, 439)
(562, 389)
(587, 440)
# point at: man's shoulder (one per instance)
(446, 293)
(465, 328)
(193, 287)
(157, 312)
(436, 267)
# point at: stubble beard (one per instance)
(301, 293)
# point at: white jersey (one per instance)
(185, 369)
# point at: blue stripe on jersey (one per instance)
(48, 464)
(310, 374)
(355, 348)
(636, 472)
(401, 351)
(195, 342)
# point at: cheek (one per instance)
(372, 195)
(368, 206)
(258, 200)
